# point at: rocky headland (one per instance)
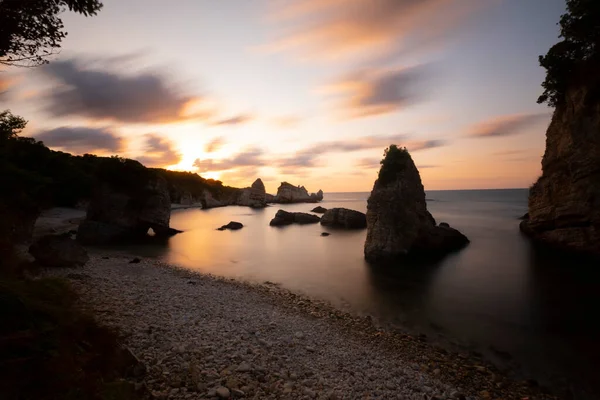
(288, 193)
(564, 203)
(398, 223)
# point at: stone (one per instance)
(255, 196)
(238, 392)
(398, 223)
(58, 251)
(244, 367)
(232, 225)
(344, 218)
(564, 203)
(222, 392)
(288, 193)
(286, 218)
(319, 210)
(120, 211)
(325, 234)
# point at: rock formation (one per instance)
(287, 218)
(319, 210)
(344, 218)
(398, 223)
(58, 251)
(120, 212)
(564, 204)
(254, 196)
(288, 193)
(232, 225)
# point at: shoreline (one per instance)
(178, 321)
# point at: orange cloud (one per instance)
(159, 152)
(334, 28)
(506, 125)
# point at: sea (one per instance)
(531, 312)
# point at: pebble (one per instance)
(223, 392)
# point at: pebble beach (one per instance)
(204, 337)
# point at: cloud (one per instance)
(329, 29)
(82, 140)
(368, 93)
(214, 145)
(250, 157)
(7, 82)
(236, 120)
(159, 152)
(100, 94)
(286, 121)
(506, 125)
(308, 158)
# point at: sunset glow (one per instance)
(309, 91)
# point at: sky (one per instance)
(305, 91)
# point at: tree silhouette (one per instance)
(32, 30)
(580, 47)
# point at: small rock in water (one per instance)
(325, 234)
(135, 261)
(234, 226)
(223, 392)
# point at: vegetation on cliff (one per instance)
(394, 160)
(572, 56)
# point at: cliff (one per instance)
(564, 204)
(288, 193)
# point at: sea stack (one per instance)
(398, 223)
(564, 203)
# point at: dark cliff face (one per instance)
(564, 204)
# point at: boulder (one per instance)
(58, 251)
(398, 223)
(288, 193)
(320, 195)
(564, 203)
(287, 218)
(232, 225)
(344, 218)
(121, 211)
(319, 210)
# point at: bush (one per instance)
(394, 161)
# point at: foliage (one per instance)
(580, 30)
(46, 339)
(32, 30)
(10, 125)
(394, 161)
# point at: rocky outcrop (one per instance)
(287, 218)
(254, 196)
(288, 193)
(398, 223)
(58, 251)
(564, 204)
(344, 218)
(319, 210)
(116, 214)
(232, 225)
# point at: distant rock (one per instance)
(398, 223)
(564, 203)
(127, 210)
(254, 196)
(208, 201)
(325, 233)
(344, 218)
(319, 210)
(287, 218)
(234, 226)
(269, 198)
(58, 251)
(288, 193)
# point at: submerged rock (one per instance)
(319, 210)
(398, 223)
(344, 218)
(58, 251)
(564, 203)
(287, 218)
(234, 226)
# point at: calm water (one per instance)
(497, 296)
